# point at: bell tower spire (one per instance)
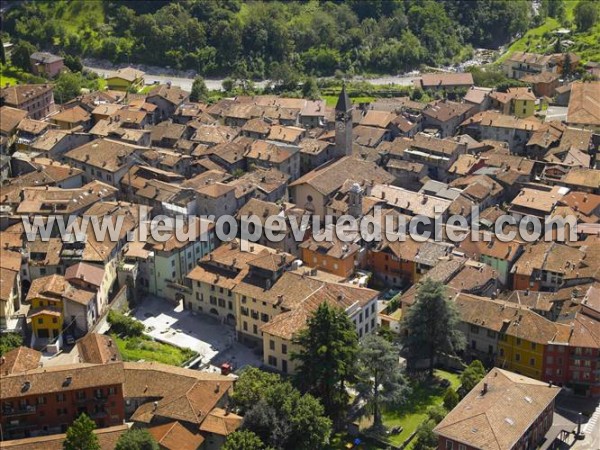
(343, 124)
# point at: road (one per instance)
(215, 84)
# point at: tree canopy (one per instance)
(80, 435)
(136, 439)
(311, 38)
(380, 381)
(278, 414)
(472, 375)
(430, 325)
(327, 357)
(243, 440)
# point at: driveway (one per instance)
(215, 342)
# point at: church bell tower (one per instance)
(343, 124)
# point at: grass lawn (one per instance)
(331, 100)
(414, 413)
(134, 349)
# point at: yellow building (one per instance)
(45, 297)
(523, 102)
(521, 355)
(127, 79)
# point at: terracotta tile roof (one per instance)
(583, 177)
(214, 134)
(49, 380)
(270, 151)
(104, 154)
(22, 93)
(174, 436)
(368, 136)
(543, 77)
(378, 119)
(331, 176)
(54, 200)
(10, 118)
(75, 114)
(472, 278)
(10, 260)
(89, 273)
(97, 349)
(107, 438)
(584, 104)
(257, 125)
(8, 282)
(444, 110)
(434, 80)
(499, 120)
(550, 256)
(173, 94)
(221, 422)
(167, 130)
(128, 74)
(31, 126)
(20, 359)
(477, 94)
(499, 417)
(286, 134)
(184, 394)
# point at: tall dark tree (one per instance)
(80, 435)
(586, 14)
(251, 386)
(431, 325)
(21, 54)
(199, 90)
(380, 381)
(327, 357)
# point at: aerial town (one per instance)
(194, 268)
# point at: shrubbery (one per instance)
(124, 325)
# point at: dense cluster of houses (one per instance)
(532, 308)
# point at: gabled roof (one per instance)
(498, 411)
(174, 436)
(20, 359)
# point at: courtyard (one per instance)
(213, 341)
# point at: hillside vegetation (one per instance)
(543, 38)
(278, 39)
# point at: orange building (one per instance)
(330, 254)
(404, 262)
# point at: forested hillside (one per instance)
(271, 39)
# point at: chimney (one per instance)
(485, 389)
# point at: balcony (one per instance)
(21, 411)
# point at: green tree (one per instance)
(9, 341)
(251, 387)
(136, 439)
(122, 324)
(284, 418)
(327, 357)
(199, 90)
(310, 89)
(431, 325)
(380, 381)
(243, 440)
(80, 435)
(586, 14)
(228, 85)
(426, 439)
(472, 375)
(21, 54)
(451, 399)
